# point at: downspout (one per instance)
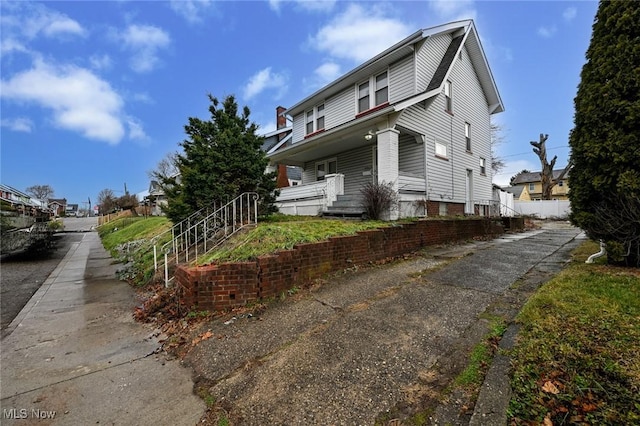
(601, 253)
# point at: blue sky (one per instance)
(94, 94)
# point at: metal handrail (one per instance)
(210, 231)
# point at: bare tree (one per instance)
(166, 168)
(40, 192)
(106, 201)
(497, 137)
(546, 173)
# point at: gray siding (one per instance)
(340, 108)
(446, 177)
(298, 130)
(402, 82)
(428, 57)
(411, 156)
(351, 164)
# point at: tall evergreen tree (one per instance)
(221, 159)
(605, 142)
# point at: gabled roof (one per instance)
(464, 33)
(531, 177)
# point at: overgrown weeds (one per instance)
(577, 359)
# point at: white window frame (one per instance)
(448, 96)
(312, 117)
(441, 149)
(326, 165)
(532, 187)
(483, 166)
(371, 91)
(467, 136)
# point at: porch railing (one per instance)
(202, 236)
(327, 189)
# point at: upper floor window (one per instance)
(315, 119)
(560, 183)
(320, 117)
(382, 88)
(363, 97)
(380, 85)
(532, 187)
(483, 166)
(448, 95)
(467, 136)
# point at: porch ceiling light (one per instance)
(369, 135)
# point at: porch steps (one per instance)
(345, 206)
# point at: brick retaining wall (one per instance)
(227, 285)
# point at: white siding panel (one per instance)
(402, 79)
(446, 178)
(352, 164)
(298, 130)
(340, 108)
(428, 58)
(411, 154)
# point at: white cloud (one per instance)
(144, 41)
(324, 74)
(30, 20)
(569, 14)
(136, 132)
(547, 32)
(306, 5)
(11, 45)
(17, 124)
(448, 10)
(359, 33)
(100, 62)
(191, 10)
(78, 99)
(264, 128)
(263, 80)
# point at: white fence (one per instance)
(544, 209)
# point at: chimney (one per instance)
(281, 120)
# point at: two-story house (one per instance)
(416, 116)
(528, 186)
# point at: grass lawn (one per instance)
(577, 359)
(284, 232)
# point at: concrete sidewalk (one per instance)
(75, 355)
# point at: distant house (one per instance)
(19, 201)
(416, 116)
(58, 206)
(71, 210)
(528, 186)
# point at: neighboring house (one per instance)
(280, 139)
(71, 210)
(155, 198)
(58, 206)
(416, 116)
(529, 186)
(20, 201)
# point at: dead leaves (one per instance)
(204, 336)
(549, 387)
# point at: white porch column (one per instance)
(388, 170)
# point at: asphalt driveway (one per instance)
(375, 344)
